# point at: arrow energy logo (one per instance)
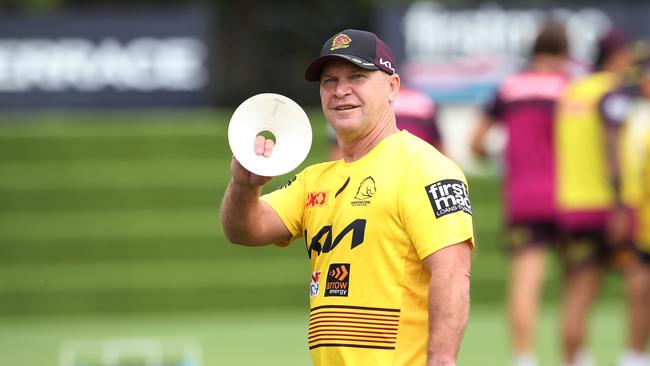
(338, 279)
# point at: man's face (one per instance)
(355, 99)
(621, 60)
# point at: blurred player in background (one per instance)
(636, 194)
(589, 197)
(415, 112)
(525, 103)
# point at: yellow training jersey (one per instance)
(643, 237)
(582, 177)
(367, 225)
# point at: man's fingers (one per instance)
(268, 148)
(259, 144)
(263, 147)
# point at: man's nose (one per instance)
(342, 88)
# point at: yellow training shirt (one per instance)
(367, 226)
(582, 176)
(633, 151)
(643, 237)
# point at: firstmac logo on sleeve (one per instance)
(448, 196)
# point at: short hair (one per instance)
(551, 40)
(609, 44)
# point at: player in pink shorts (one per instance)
(525, 105)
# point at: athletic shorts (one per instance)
(589, 246)
(530, 234)
(643, 256)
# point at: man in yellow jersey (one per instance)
(589, 200)
(388, 229)
(636, 193)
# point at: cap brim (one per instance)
(316, 67)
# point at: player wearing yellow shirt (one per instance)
(388, 229)
(643, 232)
(636, 189)
(640, 129)
(588, 198)
(367, 229)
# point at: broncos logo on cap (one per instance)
(340, 41)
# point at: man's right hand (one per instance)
(245, 218)
(242, 176)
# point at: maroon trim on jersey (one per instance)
(314, 332)
(364, 328)
(594, 220)
(354, 313)
(353, 307)
(349, 345)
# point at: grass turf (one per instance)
(109, 226)
(276, 337)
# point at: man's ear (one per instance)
(394, 83)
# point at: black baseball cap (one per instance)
(362, 48)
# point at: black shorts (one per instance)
(643, 256)
(590, 246)
(524, 235)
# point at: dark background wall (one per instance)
(262, 46)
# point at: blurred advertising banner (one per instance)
(460, 54)
(104, 59)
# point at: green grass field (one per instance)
(109, 227)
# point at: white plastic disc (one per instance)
(279, 115)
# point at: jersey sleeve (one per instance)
(288, 202)
(434, 204)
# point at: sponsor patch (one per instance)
(448, 196)
(314, 286)
(338, 280)
(316, 199)
(387, 64)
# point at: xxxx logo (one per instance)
(340, 272)
(316, 199)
